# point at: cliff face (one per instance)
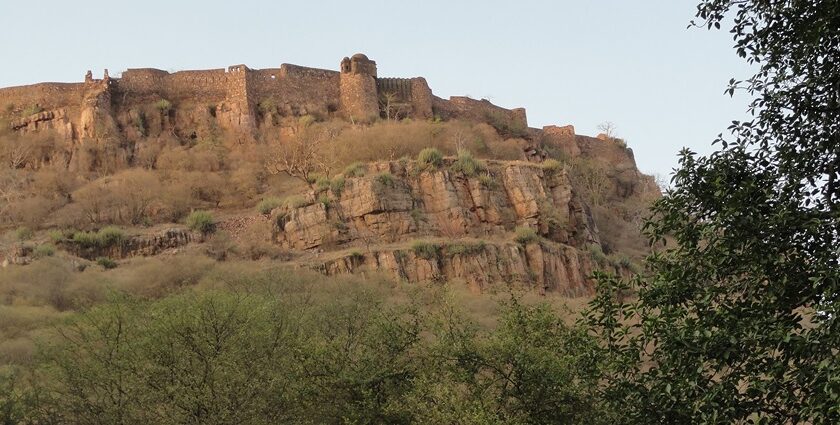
(441, 224)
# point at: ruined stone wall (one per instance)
(302, 90)
(46, 95)
(480, 110)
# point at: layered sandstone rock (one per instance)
(397, 201)
(544, 266)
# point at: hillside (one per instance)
(337, 171)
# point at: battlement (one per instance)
(354, 91)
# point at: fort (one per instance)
(240, 95)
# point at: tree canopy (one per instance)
(736, 320)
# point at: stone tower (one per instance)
(359, 99)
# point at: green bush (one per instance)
(295, 201)
(106, 263)
(467, 164)
(385, 178)
(31, 110)
(24, 233)
(487, 181)
(201, 221)
(429, 158)
(426, 250)
(552, 166)
(337, 185)
(597, 254)
(57, 235)
(44, 250)
(268, 204)
(465, 248)
(322, 183)
(525, 235)
(356, 169)
(163, 105)
(110, 236)
(105, 238)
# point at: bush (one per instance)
(44, 250)
(465, 248)
(31, 110)
(106, 263)
(552, 166)
(295, 201)
(201, 221)
(267, 204)
(525, 235)
(337, 185)
(467, 164)
(110, 236)
(385, 178)
(426, 250)
(356, 169)
(322, 183)
(487, 181)
(105, 238)
(24, 233)
(597, 254)
(429, 158)
(163, 105)
(57, 235)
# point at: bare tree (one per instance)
(607, 128)
(302, 156)
(389, 102)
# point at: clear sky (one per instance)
(577, 62)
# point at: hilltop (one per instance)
(338, 171)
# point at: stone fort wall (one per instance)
(353, 92)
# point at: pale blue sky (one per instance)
(568, 62)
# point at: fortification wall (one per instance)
(314, 90)
(480, 110)
(46, 95)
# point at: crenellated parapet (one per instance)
(235, 95)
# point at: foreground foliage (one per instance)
(738, 321)
(265, 348)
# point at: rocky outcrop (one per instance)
(134, 246)
(398, 201)
(544, 266)
(470, 220)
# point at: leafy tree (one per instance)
(737, 319)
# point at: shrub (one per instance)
(267, 204)
(467, 164)
(426, 250)
(552, 166)
(57, 235)
(429, 158)
(487, 181)
(105, 238)
(322, 183)
(201, 221)
(465, 248)
(337, 185)
(31, 110)
(295, 201)
(163, 105)
(110, 236)
(24, 233)
(324, 199)
(526, 235)
(44, 250)
(356, 169)
(106, 263)
(597, 254)
(385, 178)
